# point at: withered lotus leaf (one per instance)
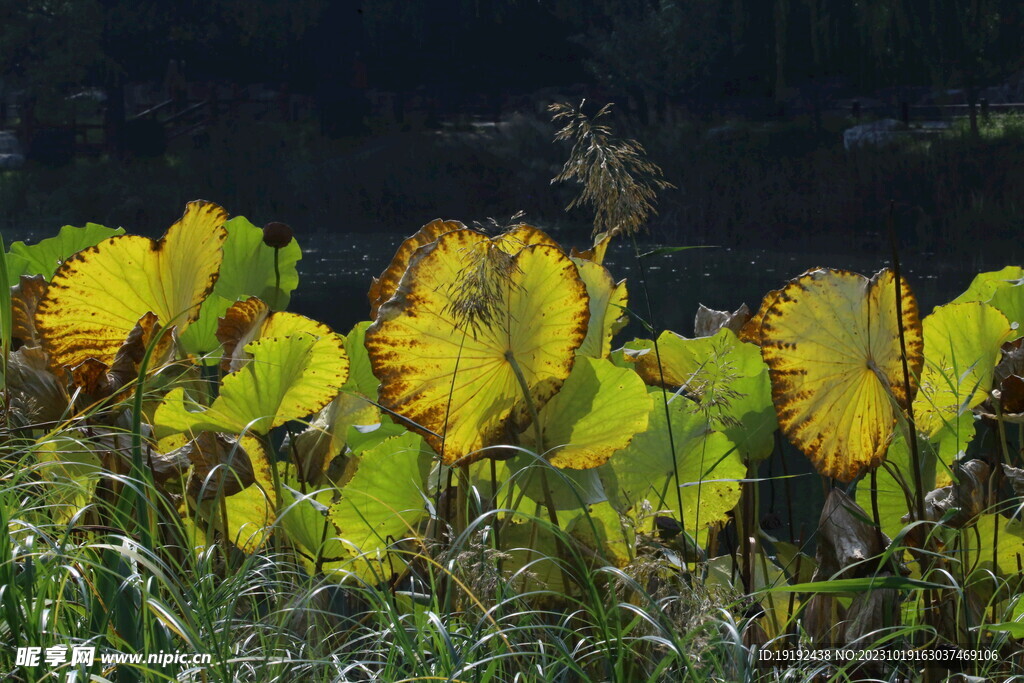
(470, 313)
(97, 296)
(831, 343)
(708, 321)
(595, 253)
(25, 298)
(98, 380)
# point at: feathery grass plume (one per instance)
(619, 182)
(710, 387)
(477, 294)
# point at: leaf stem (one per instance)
(661, 378)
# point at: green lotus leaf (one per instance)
(325, 438)
(961, 348)
(360, 375)
(247, 270)
(46, 256)
(1010, 549)
(1004, 290)
(607, 299)
(893, 477)
(305, 517)
(601, 528)
(596, 413)
(71, 470)
(288, 377)
(725, 375)
(535, 479)
(984, 285)
(383, 500)
(645, 470)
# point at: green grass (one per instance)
(456, 616)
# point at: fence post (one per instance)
(855, 109)
(905, 113)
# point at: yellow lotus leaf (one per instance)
(751, 330)
(383, 288)
(607, 300)
(98, 295)
(286, 378)
(831, 343)
(595, 253)
(470, 314)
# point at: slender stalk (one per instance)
(661, 378)
(915, 456)
(277, 278)
(875, 516)
(6, 325)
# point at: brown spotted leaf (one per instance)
(831, 343)
(448, 346)
(751, 330)
(98, 295)
(383, 288)
(97, 380)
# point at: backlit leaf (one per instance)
(727, 377)
(1004, 290)
(831, 342)
(598, 410)
(607, 299)
(97, 296)
(45, 257)
(287, 377)
(383, 500)
(961, 348)
(384, 287)
(708, 463)
(469, 312)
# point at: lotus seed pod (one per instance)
(277, 234)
